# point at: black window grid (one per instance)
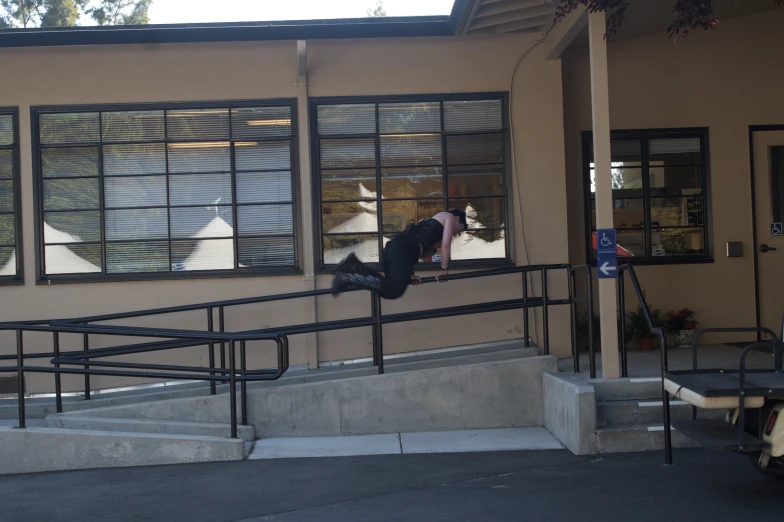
(648, 227)
(17, 278)
(105, 274)
(444, 165)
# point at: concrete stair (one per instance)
(629, 414)
(167, 427)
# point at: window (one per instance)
(383, 163)
(10, 218)
(159, 190)
(660, 208)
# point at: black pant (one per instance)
(401, 254)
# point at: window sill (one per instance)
(479, 264)
(12, 281)
(168, 276)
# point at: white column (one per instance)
(307, 256)
(600, 104)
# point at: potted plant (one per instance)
(683, 324)
(637, 326)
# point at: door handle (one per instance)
(765, 249)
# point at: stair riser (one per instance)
(626, 390)
(634, 440)
(246, 433)
(635, 415)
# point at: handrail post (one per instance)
(665, 402)
(57, 380)
(374, 315)
(210, 327)
(243, 385)
(591, 347)
(622, 326)
(545, 315)
(86, 347)
(20, 377)
(222, 328)
(232, 390)
(526, 320)
(378, 341)
(573, 317)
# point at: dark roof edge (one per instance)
(388, 27)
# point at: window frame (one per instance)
(16, 175)
(318, 235)
(103, 277)
(644, 135)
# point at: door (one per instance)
(769, 202)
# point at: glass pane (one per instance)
(151, 223)
(260, 122)
(202, 222)
(127, 160)
(7, 229)
(348, 153)
(348, 184)
(626, 182)
(476, 181)
(198, 124)
(410, 149)
(6, 164)
(346, 119)
(675, 181)
(364, 246)
(132, 126)
(71, 194)
(777, 183)
(631, 243)
(481, 212)
(471, 150)
(199, 157)
(399, 118)
(72, 259)
(263, 187)
(268, 251)
(473, 115)
(146, 191)
(265, 219)
(69, 128)
(265, 155)
(200, 189)
(413, 182)
(674, 151)
(122, 258)
(479, 244)
(677, 212)
(70, 162)
(349, 217)
(7, 261)
(398, 214)
(72, 227)
(623, 153)
(627, 214)
(6, 196)
(678, 242)
(205, 254)
(6, 129)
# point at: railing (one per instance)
(89, 361)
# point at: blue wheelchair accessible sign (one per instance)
(606, 253)
(776, 229)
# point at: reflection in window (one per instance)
(146, 191)
(10, 264)
(657, 181)
(383, 166)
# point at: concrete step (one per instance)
(638, 412)
(627, 439)
(626, 389)
(34, 450)
(168, 427)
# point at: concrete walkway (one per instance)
(555, 486)
(457, 441)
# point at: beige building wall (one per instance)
(156, 73)
(725, 80)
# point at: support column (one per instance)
(600, 104)
(307, 256)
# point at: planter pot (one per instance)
(685, 338)
(647, 343)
